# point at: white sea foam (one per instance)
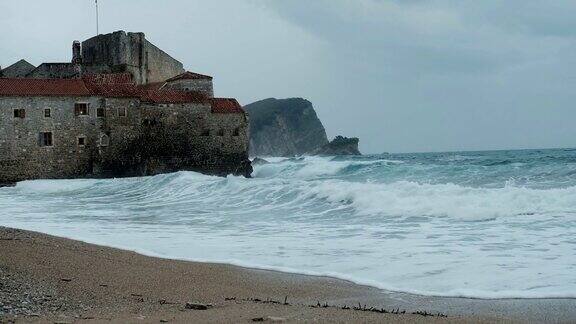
(448, 200)
(50, 186)
(350, 219)
(313, 166)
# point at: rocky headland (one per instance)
(291, 127)
(284, 127)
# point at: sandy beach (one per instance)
(46, 279)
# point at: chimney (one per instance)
(76, 53)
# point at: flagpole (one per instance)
(97, 27)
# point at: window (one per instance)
(46, 139)
(47, 113)
(221, 132)
(81, 141)
(81, 109)
(100, 112)
(104, 140)
(19, 113)
(206, 132)
(122, 112)
(236, 132)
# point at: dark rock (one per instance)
(339, 146)
(197, 306)
(284, 127)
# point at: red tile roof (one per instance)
(114, 86)
(121, 85)
(190, 76)
(226, 106)
(43, 87)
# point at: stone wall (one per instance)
(204, 86)
(66, 70)
(160, 65)
(21, 155)
(129, 139)
(121, 126)
(131, 52)
(110, 49)
(228, 133)
(116, 52)
(175, 137)
(17, 70)
(55, 71)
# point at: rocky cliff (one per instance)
(284, 127)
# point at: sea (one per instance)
(495, 224)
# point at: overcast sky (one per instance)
(403, 75)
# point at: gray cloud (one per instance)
(449, 74)
(403, 75)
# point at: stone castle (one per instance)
(121, 107)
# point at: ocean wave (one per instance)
(307, 188)
(54, 187)
(313, 166)
(446, 200)
(444, 229)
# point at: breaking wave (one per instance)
(437, 224)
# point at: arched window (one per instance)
(104, 140)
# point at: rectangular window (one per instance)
(47, 113)
(81, 141)
(81, 109)
(46, 139)
(100, 112)
(221, 132)
(19, 113)
(206, 132)
(236, 132)
(122, 112)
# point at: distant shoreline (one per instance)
(85, 281)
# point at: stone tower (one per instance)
(130, 52)
(76, 52)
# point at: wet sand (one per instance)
(48, 279)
